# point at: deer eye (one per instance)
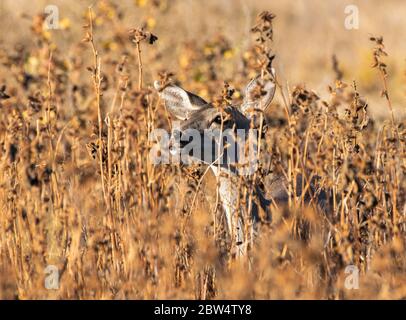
(225, 122)
(217, 120)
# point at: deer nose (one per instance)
(176, 143)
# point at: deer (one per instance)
(191, 113)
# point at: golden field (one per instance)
(78, 191)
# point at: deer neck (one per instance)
(229, 195)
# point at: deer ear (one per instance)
(259, 93)
(180, 103)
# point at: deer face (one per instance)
(205, 134)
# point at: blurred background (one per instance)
(307, 35)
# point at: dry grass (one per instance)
(78, 191)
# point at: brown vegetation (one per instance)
(78, 191)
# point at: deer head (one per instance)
(206, 134)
